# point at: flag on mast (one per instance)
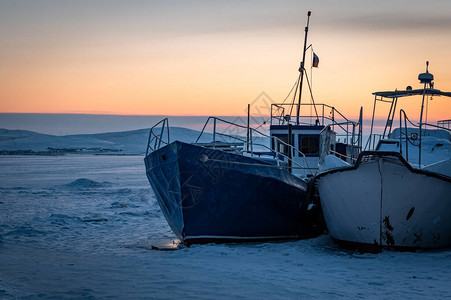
(315, 60)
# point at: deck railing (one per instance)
(352, 138)
(253, 145)
(255, 142)
(444, 124)
(158, 136)
(404, 123)
(324, 114)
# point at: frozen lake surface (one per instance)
(84, 226)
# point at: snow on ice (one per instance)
(84, 226)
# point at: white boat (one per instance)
(398, 193)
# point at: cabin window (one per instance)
(281, 147)
(309, 144)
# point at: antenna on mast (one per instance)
(427, 79)
(301, 68)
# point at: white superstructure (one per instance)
(398, 194)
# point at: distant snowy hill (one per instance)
(125, 142)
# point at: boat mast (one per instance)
(301, 69)
(425, 78)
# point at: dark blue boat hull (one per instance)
(209, 195)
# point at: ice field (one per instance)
(83, 226)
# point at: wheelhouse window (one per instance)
(281, 147)
(309, 144)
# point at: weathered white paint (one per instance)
(355, 203)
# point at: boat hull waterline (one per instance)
(382, 202)
(209, 195)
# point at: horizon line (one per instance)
(112, 114)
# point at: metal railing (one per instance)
(410, 139)
(325, 115)
(255, 142)
(156, 139)
(251, 144)
(353, 139)
(372, 141)
(403, 117)
(278, 116)
(374, 138)
(444, 124)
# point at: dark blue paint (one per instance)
(228, 195)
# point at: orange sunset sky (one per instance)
(214, 57)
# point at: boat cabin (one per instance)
(419, 143)
(313, 137)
